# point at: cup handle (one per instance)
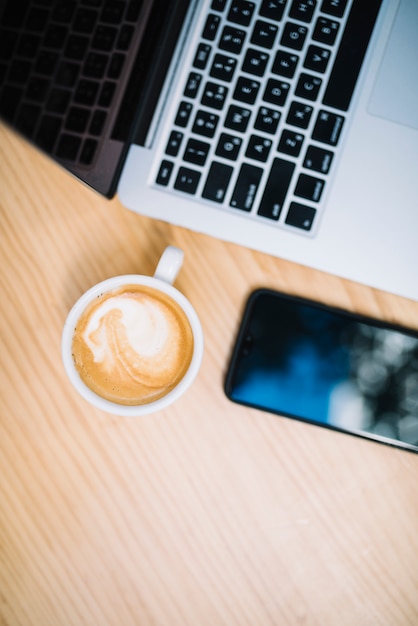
(169, 264)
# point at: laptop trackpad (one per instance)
(395, 95)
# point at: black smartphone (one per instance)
(299, 359)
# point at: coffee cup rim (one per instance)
(79, 307)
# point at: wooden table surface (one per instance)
(208, 513)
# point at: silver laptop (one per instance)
(287, 126)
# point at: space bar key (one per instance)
(276, 189)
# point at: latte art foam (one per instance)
(132, 346)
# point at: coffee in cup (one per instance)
(132, 344)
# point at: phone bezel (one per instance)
(237, 352)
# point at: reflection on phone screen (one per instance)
(327, 367)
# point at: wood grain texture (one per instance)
(206, 514)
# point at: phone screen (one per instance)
(299, 359)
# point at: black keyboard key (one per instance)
(106, 94)
(27, 118)
(63, 12)
(67, 74)
(273, 9)
(133, 11)
(326, 31)
(116, 65)
(68, 147)
(211, 27)
(285, 63)
(85, 20)
(258, 148)
(28, 45)
(318, 159)
(192, 85)
(76, 47)
(218, 5)
(276, 189)
(309, 187)
(299, 114)
(37, 89)
(97, 123)
(187, 180)
(88, 151)
(264, 34)
(196, 152)
(350, 54)
(48, 132)
(113, 11)
(202, 56)
(223, 67)
(86, 92)
(19, 71)
(241, 12)
(300, 216)
(104, 37)
(294, 36)
(328, 127)
(214, 95)
(217, 182)
(164, 173)
(255, 62)
(232, 39)
(205, 123)
(5, 55)
(125, 36)
(12, 17)
(246, 187)
(228, 146)
(237, 118)
(302, 10)
(246, 90)
(308, 86)
(55, 36)
(334, 7)
(183, 114)
(174, 143)
(317, 59)
(267, 120)
(95, 65)
(46, 62)
(77, 119)
(290, 143)
(36, 20)
(58, 100)
(276, 92)
(10, 97)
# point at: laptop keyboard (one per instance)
(264, 106)
(60, 66)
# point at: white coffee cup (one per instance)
(160, 284)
